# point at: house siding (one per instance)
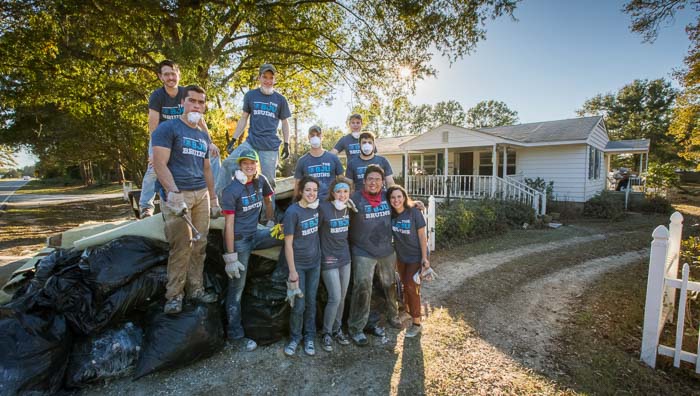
(457, 138)
(566, 166)
(597, 139)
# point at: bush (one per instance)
(605, 206)
(655, 204)
(464, 220)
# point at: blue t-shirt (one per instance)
(265, 111)
(303, 224)
(370, 228)
(405, 228)
(245, 201)
(188, 151)
(324, 168)
(168, 108)
(334, 224)
(350, 145)
(357, 167)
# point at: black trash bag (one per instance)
(265, 311)
(116, 263)
(215, 278)
(177, 340)
(130, 300)
(60, 258)
(33, 354)
(260, 266)
(107, 355)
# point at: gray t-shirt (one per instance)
(370, 228)
(265, 111)
(405, 228)
(168, 108)
(357, 167)
(188, 151)
(245, 201)
(350, 145)
(303, 224)
(334, 224)
(324, 168)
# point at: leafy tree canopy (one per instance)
(490, 113)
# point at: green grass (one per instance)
(50, 187)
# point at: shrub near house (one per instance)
(464, 220)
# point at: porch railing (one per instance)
(474, 187)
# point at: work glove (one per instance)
(270, 223)
(277, 232)
(213, 151)
(240, 176)
(229, 146)
(233, 266)
(350, 204)
(176, 203)
(214, 208)
(293, 291)
(285, 151)
(427, 275)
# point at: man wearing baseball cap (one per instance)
(241, 204)
(319, 163)
(265, 108)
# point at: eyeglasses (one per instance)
(374, 179)
(195, 101)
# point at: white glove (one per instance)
(176, 203)
(240, 176)
(233, 266)
(351, 205)
(270, 223)
(214, 208)
(293, 291)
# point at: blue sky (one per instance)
(558, 54)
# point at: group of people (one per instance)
(343, 224)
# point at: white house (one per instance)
(574, 154)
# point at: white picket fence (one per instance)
(662, 287)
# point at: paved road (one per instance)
(16, 199)
(8, 188)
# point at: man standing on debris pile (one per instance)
(266, 109)
(165, 103)
(241, 204)
(318, 163)
(350, 143)
(186, 184)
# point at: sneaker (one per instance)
(413, 331)
(145, 212)
(360, 339)
(327, 343)
(291, 348)
(203, 296)
(378, 331)
(249, 344)
(395, 323)
(341, 338)
(309, 348)
(173, 306)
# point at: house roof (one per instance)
(628, 145)
(390, 145)
(549, 131)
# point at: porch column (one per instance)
(505, 162)
(405, 171)
(641, 164)
(445, 161)
(494, 169)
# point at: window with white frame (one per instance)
(595, 162)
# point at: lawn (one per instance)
(52, 186)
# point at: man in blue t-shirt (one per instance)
(266, 109)
(350, 143)
(165, 103)
(357, 166)
(370, 245)
(241, 203)
(319, 163)
(186, 185)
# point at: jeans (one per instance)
(268, 166)
(336, 281)
(363, 272)
(304, 310)
(186, 258)
(244, 247)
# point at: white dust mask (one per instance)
(355, 135)
(315, 142)
(240, 176)
(313, 205)
(367, 149)
(339, 205)
(194, 117)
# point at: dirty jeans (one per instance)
(336, 281)
(411, 291)
(186, 259)
(268, 166)
(362, 273)
(244, 247)
(304, 310)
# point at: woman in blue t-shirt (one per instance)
(411, 246)
(335, 257)
(303, 253)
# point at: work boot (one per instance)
(341, 338)
(146, 212)
(203, 296)
(173, 306)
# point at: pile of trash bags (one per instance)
(98, 314)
